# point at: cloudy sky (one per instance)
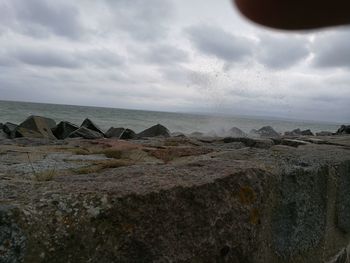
(170, 55)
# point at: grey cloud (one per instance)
(178, 75)
(61, 58)
(43, 17)
(101, 58)
(281, 52)
(143, 20)
(46, 58)
(214, 41)
(6, 60)
(166, 54)
(332, 50)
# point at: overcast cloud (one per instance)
(170, 55)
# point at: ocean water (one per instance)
(139, 120)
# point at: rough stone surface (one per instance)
(307, 132)
(64, 129)
(294, 132)
(87, 123)
(343, 198)
(341, 257)
(114, 132)
(266, 132)
(27, 133)
(324, 133)
(85, 133)
(36, 125)
(154, 131)
(128, 135)
(3, 135)
(196, 134)
(290, 142)
(175, 200)
(249, 142)
(299, 219)
(12, 238)
(236, 132)
(10, 128)
(344, 129)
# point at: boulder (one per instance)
(211, 134)
(27, 133)
(178, 134)
(85, 133)
(154, 131)
(307, 133)
(254, 133)
(114, 132)
(1, 125)
(267, 132)
(344, 129)
(87, 123)
(3, 135)
(236, 132)
(324, 133)
(196, 134)
(249, 142)
(292, 143)
(9, 128)
(128, 135)
(64, 129)
(38, 125)
(294, 132)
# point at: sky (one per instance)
(170, 55)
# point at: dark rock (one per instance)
(178, 134)
(23, 132)
(307, 133)
(85, 133)
(1, 125)
(344, 129)
(3, 135)
(254, 133)
(236, 132)
(294, 132)
(114, 132)
(128, 135)
(87, 123)
(341, 257)
(324, 133)
(343, 198)
(10, 128)
(196, 134)
(154, 131)
(292, 143)
(266, 132)
(249, 142)
(35, 126)
(64, 129)
(211, 134)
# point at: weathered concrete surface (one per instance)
(192, 201)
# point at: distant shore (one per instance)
(138, 120)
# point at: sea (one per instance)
(138, 120)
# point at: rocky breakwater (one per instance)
(175, 199)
